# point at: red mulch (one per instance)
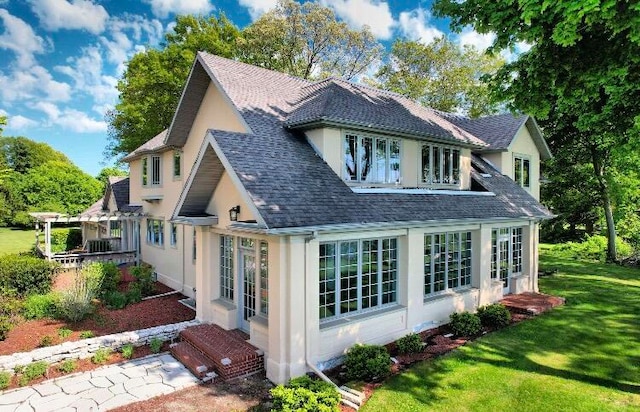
(85, 365)
(27, 335)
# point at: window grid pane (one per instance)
(155, 232)
(525, 172)
(327, 280)
(394, 161)
(516, 266)
(447, 261)
(144, 171)
(226, 267)
(176, 164)
(389, 270)
(453, 256)
(426, 164)
(348, 277)
(465, 263)
(249, 285)
(439, 262)
(371, 159)
(369, 287)
(350, 150)
(264, 278)
(428, 262)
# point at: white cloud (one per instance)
(70, 119)
(21, 122)
(415, 25)
(163, 8)
(75, 15)
(470, 37)
(20, 37)
(257, 8)
(34, 83)
(373, 13)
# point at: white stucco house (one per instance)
(315, 215)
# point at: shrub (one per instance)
(115, 300)
(5, 380)
(26, 274)
(155, 345)
(33, 371)
(367, 362)
(10, 304)
(134, 294)
(5, 327)
(66, 239)
(465, 324)
(87, 334)
(46, 341)
(68, 366)
(410, 343)
(77, 302)
(144, 278)
(41, 306)
(101, 356)
(127, 351)
(104, 276)
(494, 316)
(593, 248)
(64, 333)
(306, 394)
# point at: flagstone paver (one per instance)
(102, 389)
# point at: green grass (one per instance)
(584, 356)
(16, 240)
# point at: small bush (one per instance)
(367, 362)
(87, 334)
(77, 302)
(155, 345)
(41, 306)
(46, 341)
(10, 304)
(134, 293)
(68, 366)
(306, 394)
(101, 356)
(5, 380)
(5, 327)
(127, 351)
(115, 300)
(465, 324)
(111, 276)
(33, 371)
(494, 316)
(26, 274)
(64, 333)
(144, 278)
(410, 343)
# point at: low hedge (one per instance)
(305, 394)
(26, 274)
(367, 362)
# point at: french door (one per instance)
(247, 279)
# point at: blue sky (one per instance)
(60, 60)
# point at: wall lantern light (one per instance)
(233, 213)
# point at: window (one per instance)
(357, 275)
(194, 245)
(155, 232)
(447, 261)
(516, 252)
(440, 165)
(371, 159)
(264, 278)
(144, 171)
(506, 252)
(177, 165)
(173, 234)
(521, 169)
(115, 228)
(155, 170)
(226, 267)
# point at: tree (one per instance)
(3, 122)
(152, 84)
(106, 172)
(306, 40)
(441, 75)
(21, 154)
(581, 77)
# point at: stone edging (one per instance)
(85, 348)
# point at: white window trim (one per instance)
(374, 138)
(150, 176)
(429, 183)
(522, 157)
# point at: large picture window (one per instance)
(226, 267)
(357, 275)
(155, 232)
(521, 169)
(371, 159)
(440, 165)
(447, 261)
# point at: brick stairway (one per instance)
(530, 303)
(204, 349)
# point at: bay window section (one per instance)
(369, 159)
(440, 165)
(447, 262)
(356, 276)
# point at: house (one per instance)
(315, 215)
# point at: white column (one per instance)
(276, 363)
(481, 266)
(411, 288)
(47, 238)
(203, 263)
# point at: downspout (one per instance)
(183, 264)
(348, 396)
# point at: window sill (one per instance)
(448, 294)
(155, 246)
(259, 320)
(224, 304)
(359, 317)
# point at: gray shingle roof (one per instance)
(291, 186)
(498, 131)
(156, 143)
(118, 186)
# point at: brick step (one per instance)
(193, 359)
(230, 354)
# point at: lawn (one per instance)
(16, 240)
(584, 356)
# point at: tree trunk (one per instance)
(598, 167)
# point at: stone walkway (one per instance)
(104, 388)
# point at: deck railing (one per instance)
(76, 260)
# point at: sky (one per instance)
(60, 60)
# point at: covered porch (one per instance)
(106, 237)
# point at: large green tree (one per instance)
(442, 75)
(152, 83)
(582, 75)
(306, 40)
(21, 154)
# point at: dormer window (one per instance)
(371, 159)
(521, 169)
(440, 165)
